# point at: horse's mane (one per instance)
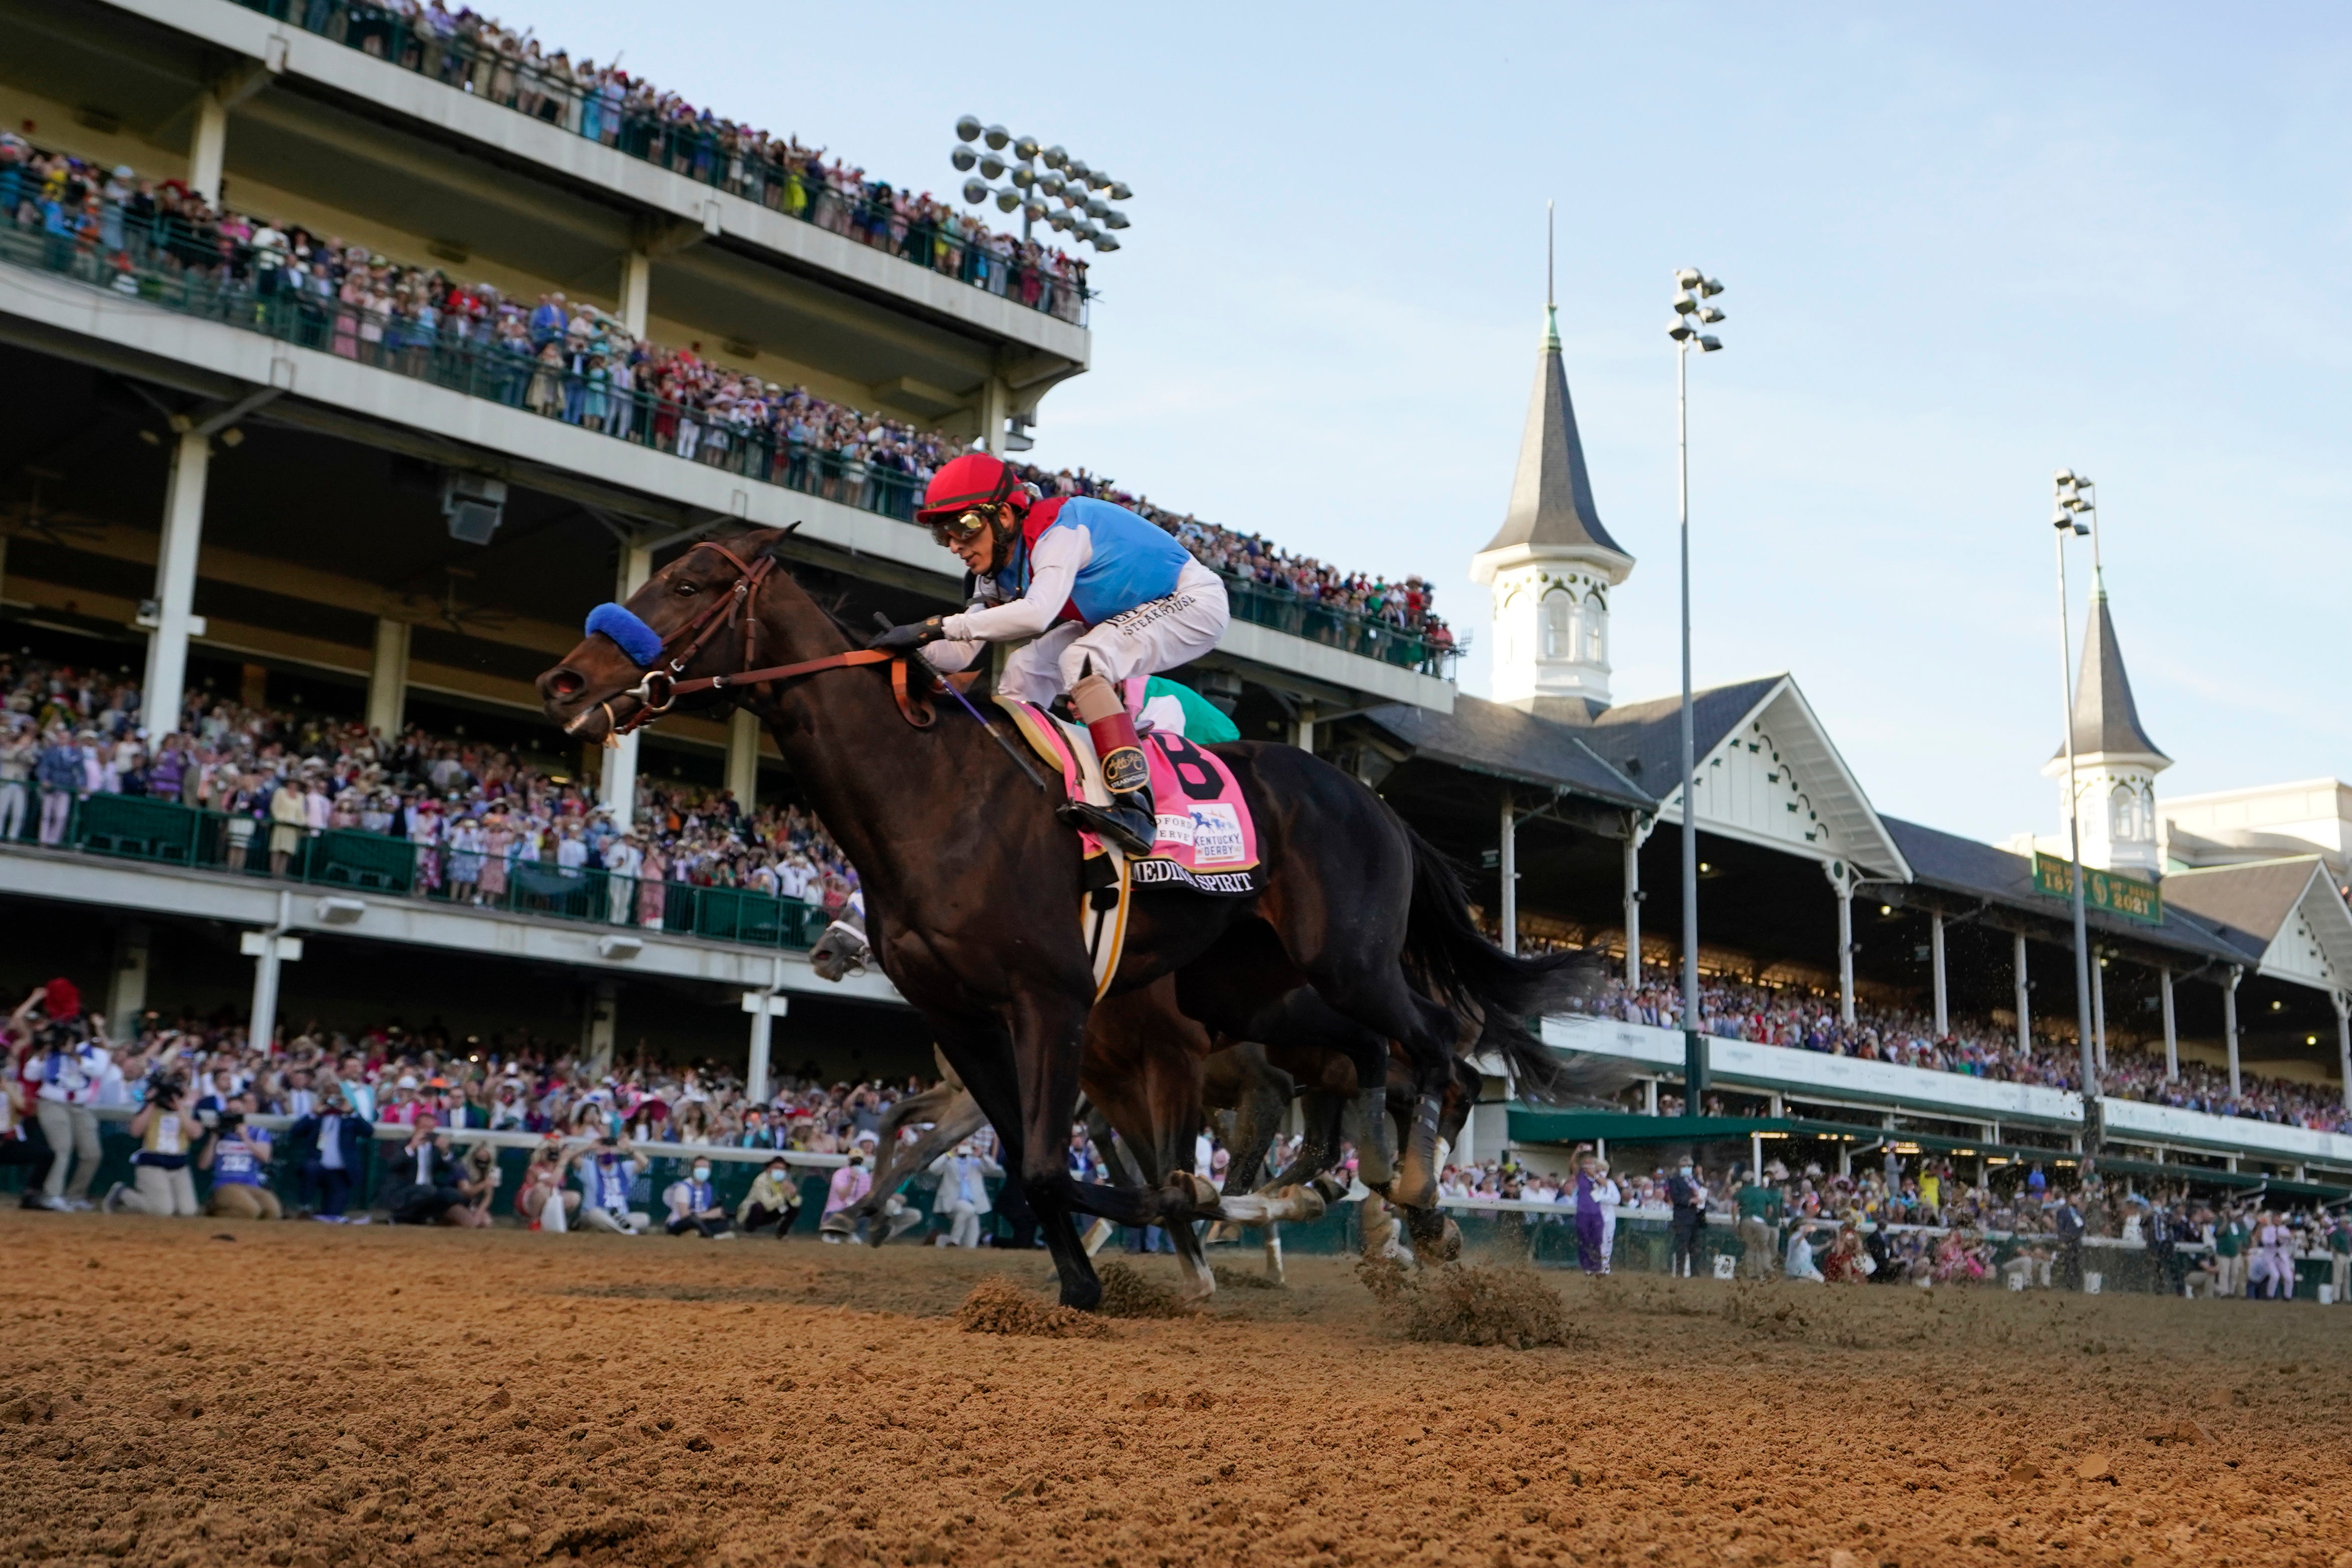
(766, 540)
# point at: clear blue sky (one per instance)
(1961, 251)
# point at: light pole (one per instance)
(996, 151)
(2076, 497)
(1692, 288)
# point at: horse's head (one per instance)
(688, 621)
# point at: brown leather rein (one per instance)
(662, 686)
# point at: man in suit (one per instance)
(329, 1148)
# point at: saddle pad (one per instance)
(1206, 839)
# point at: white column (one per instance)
(765, 1008)
(637, 290)
(2343, 1001)
(175, 583)
(269, 951)
(2099, 1006)
(387, 696)
(1842, 880)
(1302, 728)
(1507, 861)
(743, 759)
(1936, 957)
(996, 408)
(127, 998)
(617, 790)
(207, 146)
(2229, 1023)
(2171, 1031)
(1633, 906)
(597, 1030)
(2024, 1003)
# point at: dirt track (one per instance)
(311, 1396)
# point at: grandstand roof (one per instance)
(2285, 916)
(2107, 720)
(1551, 493)
(1948, 863)
(1482, 737)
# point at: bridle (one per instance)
(663, 683)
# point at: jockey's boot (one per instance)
(1129, 821)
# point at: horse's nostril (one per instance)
(566, 684)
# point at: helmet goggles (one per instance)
(964, 528)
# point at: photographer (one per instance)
(330, 1149)
(429, 1185)
(605, 1178)
(168, 1132)
(16, 1145)
(238, 1156)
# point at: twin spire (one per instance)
(1551, 495)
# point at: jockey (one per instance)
(1096, 595)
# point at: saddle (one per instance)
(1205, 841)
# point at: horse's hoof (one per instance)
(1305, 1204)
(1083, 1295)
(1219, 1233)
(1195, 1190)
(1328, 1188)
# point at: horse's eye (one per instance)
(686, 588)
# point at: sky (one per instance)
(1961, 249)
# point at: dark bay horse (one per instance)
(972, 886)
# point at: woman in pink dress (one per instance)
(498, 843)
(652, 888)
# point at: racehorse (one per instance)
(972, 886)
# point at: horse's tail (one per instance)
(1504, 995)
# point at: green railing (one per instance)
(171, 267)
(700, 152)
(132, 826)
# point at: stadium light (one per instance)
(1691, 287)
(2075, 496)
(1041, 176)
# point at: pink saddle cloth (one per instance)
(1206, 839)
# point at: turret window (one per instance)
(1558, 626)
(2126, 814)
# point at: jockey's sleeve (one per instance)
(949, 657)
(1053, 563)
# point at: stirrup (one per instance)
(1130, 827)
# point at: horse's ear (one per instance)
(774, 551)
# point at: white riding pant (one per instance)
(1156, 635)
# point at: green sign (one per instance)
(2110, 891)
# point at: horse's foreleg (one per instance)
(1048, 1030)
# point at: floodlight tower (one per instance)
(1039, 176)
(1692, 289)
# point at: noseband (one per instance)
(663, 683)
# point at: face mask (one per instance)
(1686, 1170)
(702, 1173)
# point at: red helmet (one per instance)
(973, 480)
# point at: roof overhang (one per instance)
(1827, 789)
(1612, 564)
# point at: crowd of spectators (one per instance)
(569, 361)
(1920, 1221)
(607, 104)
(1802, 1019)
(476, 816)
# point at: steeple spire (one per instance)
(2106, 719)
(1551, 564)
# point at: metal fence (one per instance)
(165, 832)
(698, 148)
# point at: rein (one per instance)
(662, 686)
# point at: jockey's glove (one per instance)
(907, 638)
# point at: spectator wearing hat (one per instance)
(67, 1067)
(289, 817)
(774, 1199)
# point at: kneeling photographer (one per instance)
(168, 1130)
(237, 1155)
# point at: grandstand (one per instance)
(351, 481)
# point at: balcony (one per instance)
(154, 269)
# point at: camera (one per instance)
(231, 1121)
